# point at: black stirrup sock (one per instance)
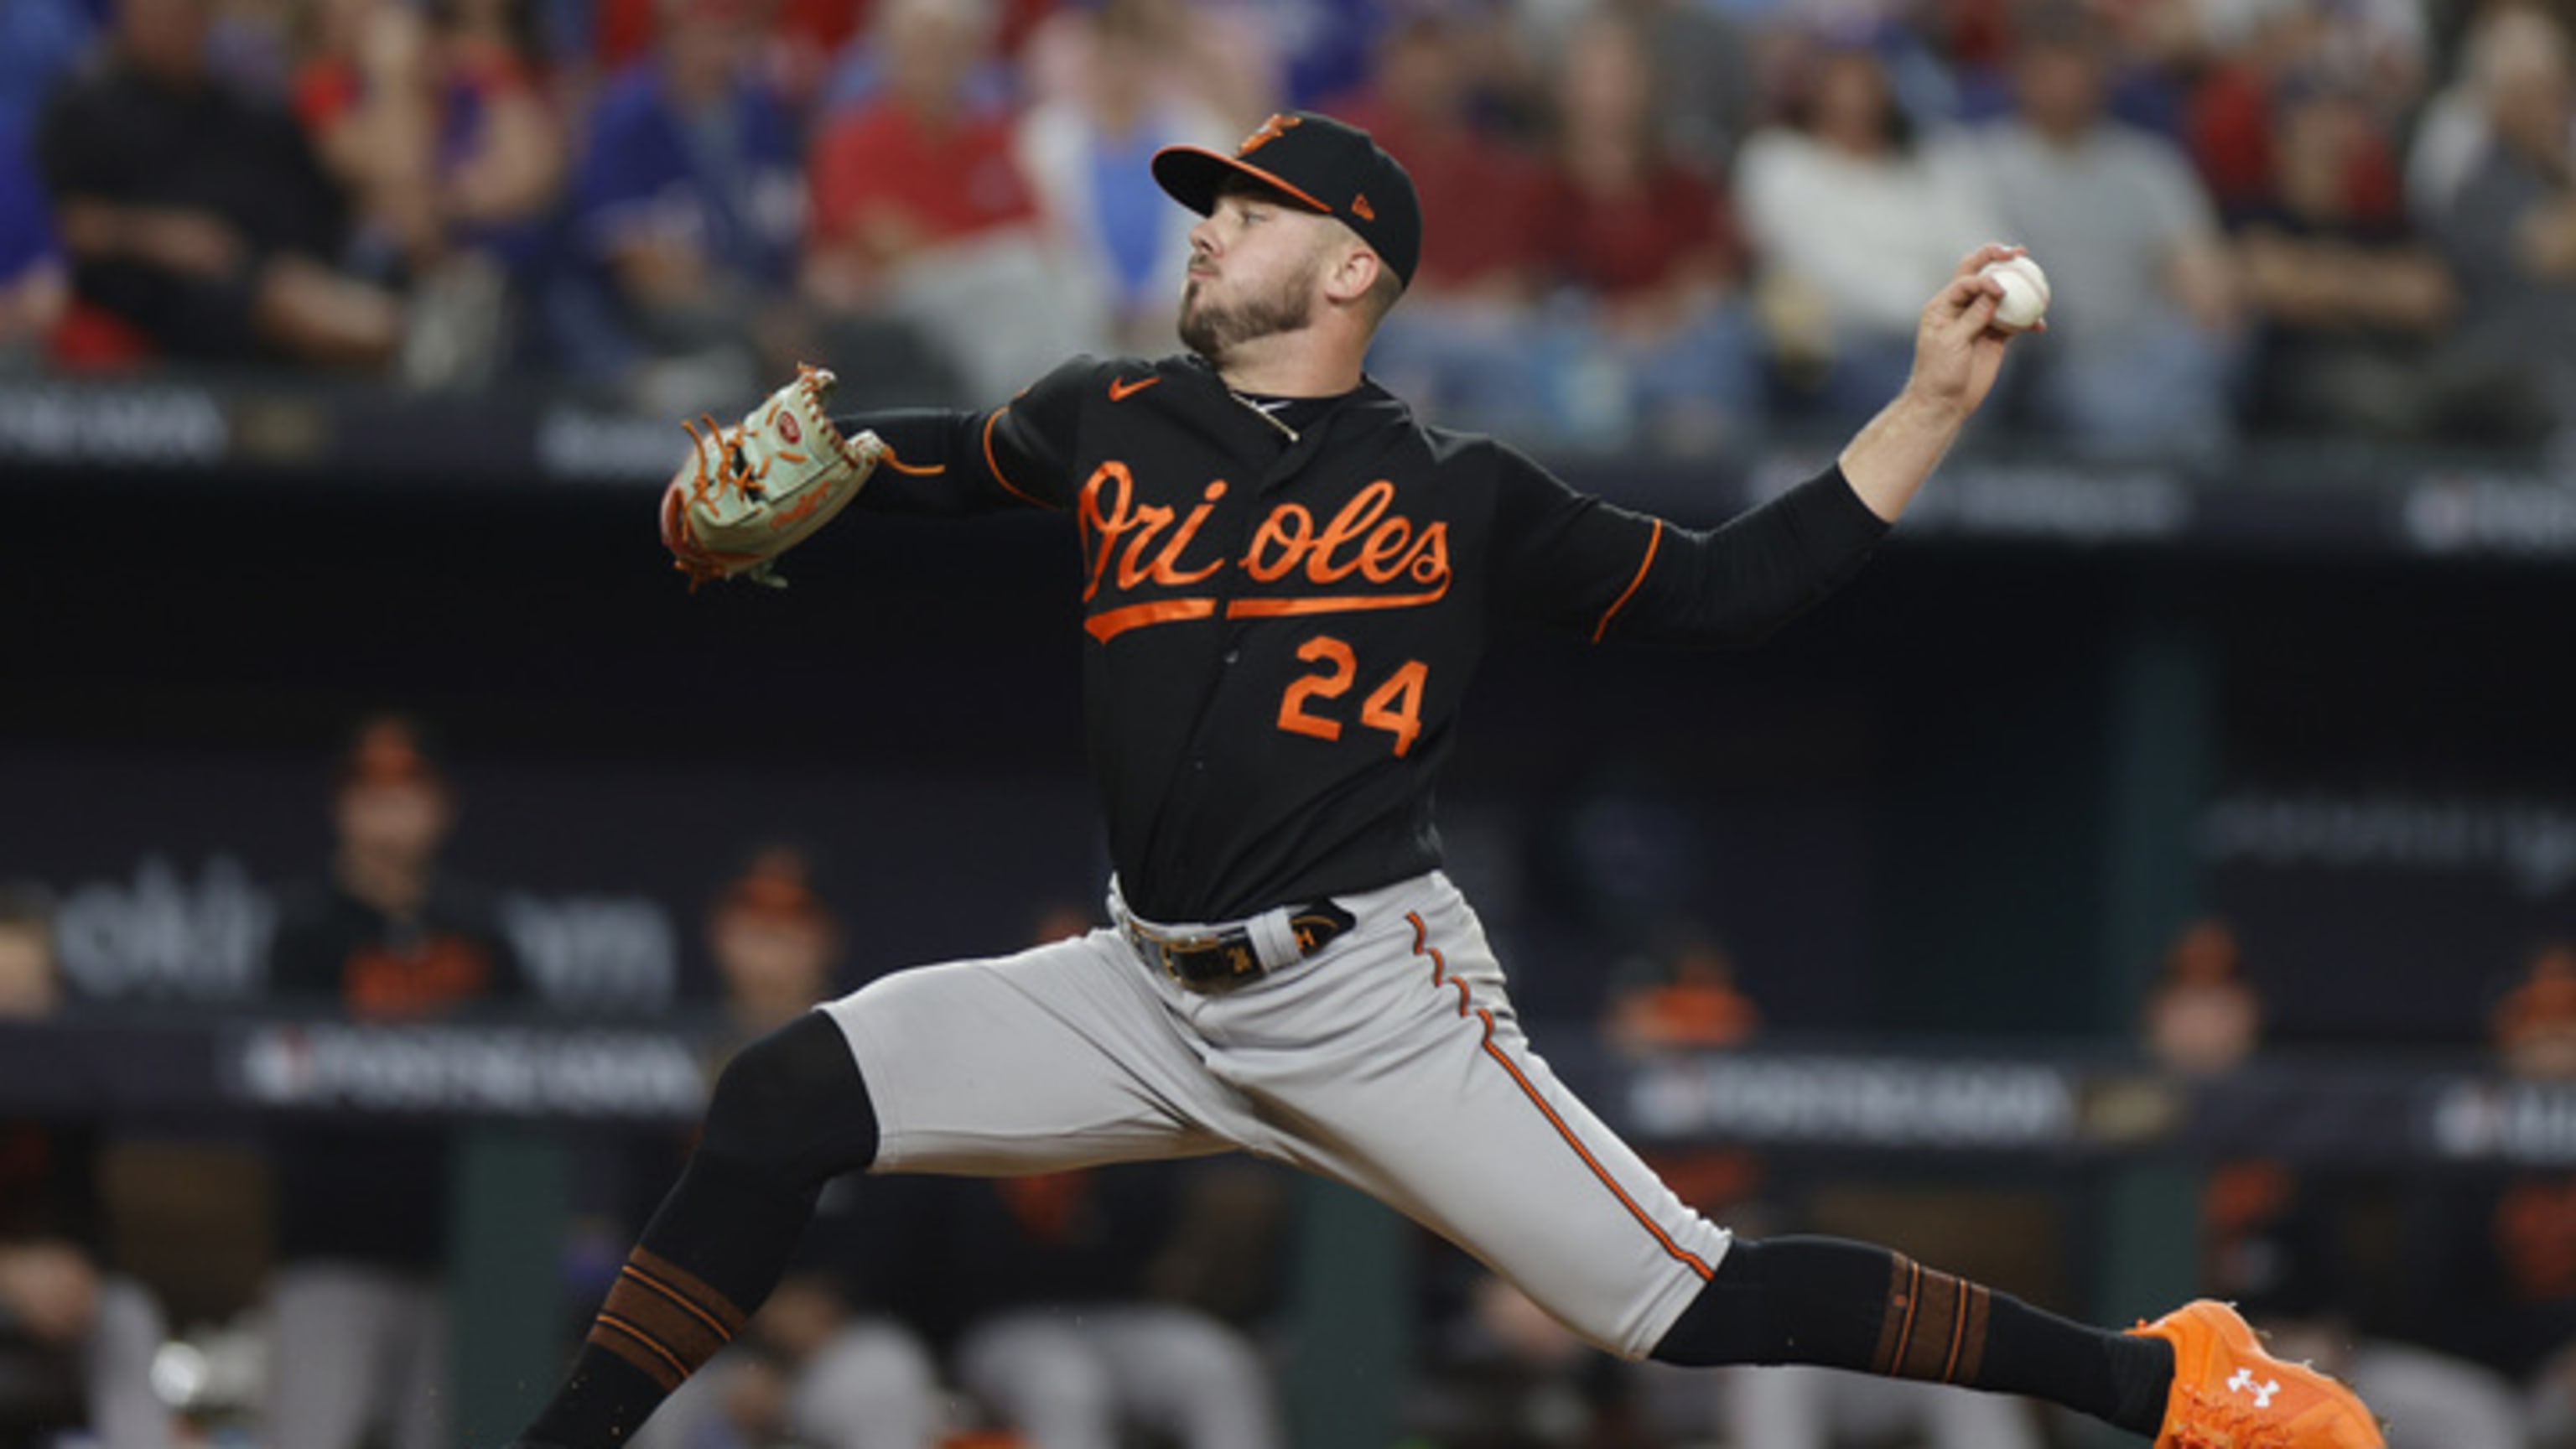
(789, 1112)
(1850, 1305)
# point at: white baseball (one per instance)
(2025, 298)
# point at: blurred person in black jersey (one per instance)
(359, 1320)
(76, 1342)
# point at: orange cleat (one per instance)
(2230, 1394)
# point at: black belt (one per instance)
(1223, 960)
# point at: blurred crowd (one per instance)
(1666, 223)
(1137, 1304)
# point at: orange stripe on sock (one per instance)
(1913, 1301)
(664, 1367)
(678, 1299)
(690, 1286)
(1529, 1089)
(1958, 1334)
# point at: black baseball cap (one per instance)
(1317, 162)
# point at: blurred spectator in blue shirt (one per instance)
(197, 216)
(33, 285)
(2140, 359)
(687, 210)
(1323, 45)
(40, 42)
(1087, 156)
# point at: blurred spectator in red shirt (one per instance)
(2143, 353)
(1854, 224)
(1458, 346)
(1088, 155)
(198, 218)
(76, 1340)
(2509, 230)
(688, 208)
(2371, 51)
(436, 124)
(1649, 339)
(921, 213)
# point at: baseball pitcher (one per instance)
(1289, 583)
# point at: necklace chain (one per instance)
(1263, 413)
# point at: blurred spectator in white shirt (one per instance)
(1853, 224)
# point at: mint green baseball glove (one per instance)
(755, 490)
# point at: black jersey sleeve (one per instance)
(1567, 560)
(942, 460)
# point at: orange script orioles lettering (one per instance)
(1129, 545)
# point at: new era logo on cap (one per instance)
(1307, 157)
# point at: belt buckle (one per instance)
(1243, 965)
(1170, 950)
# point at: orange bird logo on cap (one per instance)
(1271, 130)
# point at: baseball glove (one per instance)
(755, 490)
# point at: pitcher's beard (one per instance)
(1214, 329)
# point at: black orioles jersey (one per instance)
(1280, 622)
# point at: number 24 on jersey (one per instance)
(1395, 706)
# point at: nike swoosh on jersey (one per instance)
(1121, 389)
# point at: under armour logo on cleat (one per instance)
(2243, 1382)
